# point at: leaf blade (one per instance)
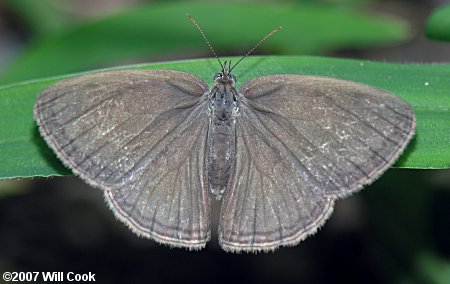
(24, 154)
(438, 24)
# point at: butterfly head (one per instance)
(225, 76)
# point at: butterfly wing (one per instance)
(140, 136)
(302, 142)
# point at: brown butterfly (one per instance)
(280, 150)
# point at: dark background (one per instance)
(394, 231)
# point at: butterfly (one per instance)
(278, 151)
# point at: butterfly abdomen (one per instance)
(221, 139)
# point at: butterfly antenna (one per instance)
(256, 45)
(205, 38)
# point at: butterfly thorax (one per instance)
(221, 134)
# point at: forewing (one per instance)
(302, 142)
(140, 136)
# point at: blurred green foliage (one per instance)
(41, 18)
(161, 30)
(438, 25)
(402, 207)
(434, 268)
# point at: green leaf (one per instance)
(433, 268)
(24, 154)
(161, 30)
(438, 25)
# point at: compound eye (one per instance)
(217, 76)
(234, 78)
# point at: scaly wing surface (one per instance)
(302, 142)
(140, 136)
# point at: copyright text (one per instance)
(48, 277)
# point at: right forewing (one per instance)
(302, 142)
